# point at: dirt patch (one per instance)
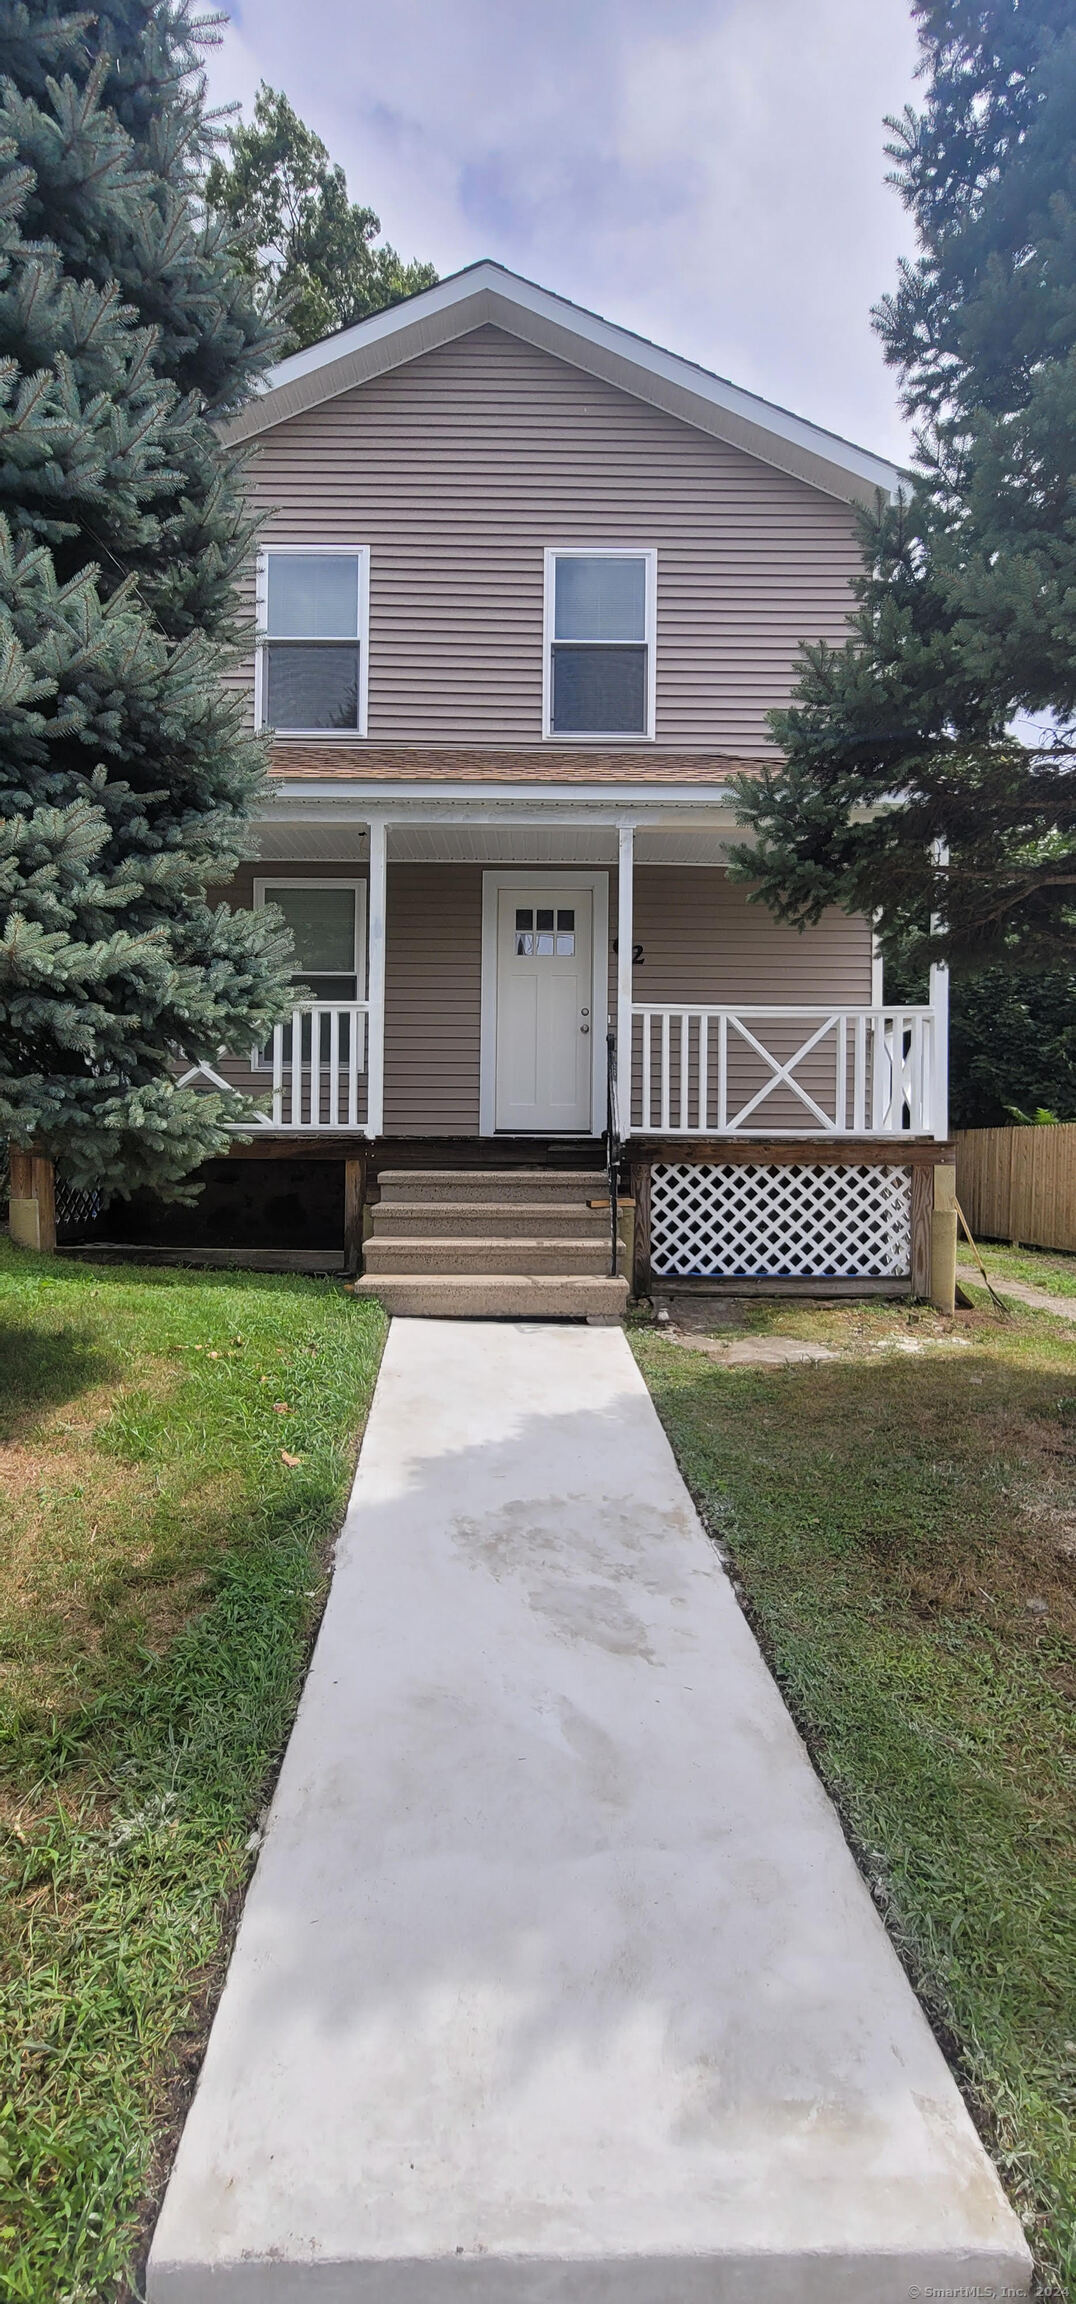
(750, 1351)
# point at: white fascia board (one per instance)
(614, 802)
(446, 295)
(488, 294)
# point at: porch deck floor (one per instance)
(557, 1983)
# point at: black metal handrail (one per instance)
(612, 1141)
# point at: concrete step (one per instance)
(503, 1184)
(503, 1296)
(567, 1219)
(473, 1255)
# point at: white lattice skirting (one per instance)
(780, 1223)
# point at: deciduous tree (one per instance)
(310, 248)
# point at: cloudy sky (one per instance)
(709, 172)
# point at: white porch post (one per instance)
(625, 929)
(939, 1087)
(939, 1003)
(375, 979)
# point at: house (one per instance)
(527, 590)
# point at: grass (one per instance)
(175, 1452)
(901, 1523)
(1044, 1268)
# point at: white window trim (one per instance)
(492, 884)
(358, 552)
(264, 892)
(555, 552)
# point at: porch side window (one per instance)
(327, 919)
(311, 677)
(600, 643)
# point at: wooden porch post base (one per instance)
(943, 1241)
(922, 1221)
(32, 1202)
(640, 1192)
(354, 1204)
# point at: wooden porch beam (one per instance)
(804, 1151)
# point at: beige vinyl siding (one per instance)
(458, 469)
(702, 941)
(433, 986)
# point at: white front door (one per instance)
(545, 1021)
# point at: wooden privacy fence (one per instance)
(1019, 1183)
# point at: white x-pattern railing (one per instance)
(708, 1071)
(316, 1060)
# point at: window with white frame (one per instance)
(599, 643)
(327, 919)
(312, 633)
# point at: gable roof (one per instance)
(487, 295)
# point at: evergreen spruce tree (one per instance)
(966, 612)
(127, 327)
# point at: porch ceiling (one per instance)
(299, 841)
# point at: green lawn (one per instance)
(162, 1563)
(902, 1526)
(1041, 1267)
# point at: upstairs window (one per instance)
(600, 644)
(311, 678)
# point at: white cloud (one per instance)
(232, 70)
(710, 173)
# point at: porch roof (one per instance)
(434, 814)
(356, 763)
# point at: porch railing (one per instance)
(693, 1071)
(769, 1072)
(318, 1059)
(613, 1147)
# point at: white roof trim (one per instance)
(488, 295)
(612, 801)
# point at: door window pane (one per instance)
(311, 687)
(322, 923)
(313, 596)
(599, 691)
(537, 938)
(600, 599)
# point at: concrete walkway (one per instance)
(1038, 1299)
(557, 1983)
